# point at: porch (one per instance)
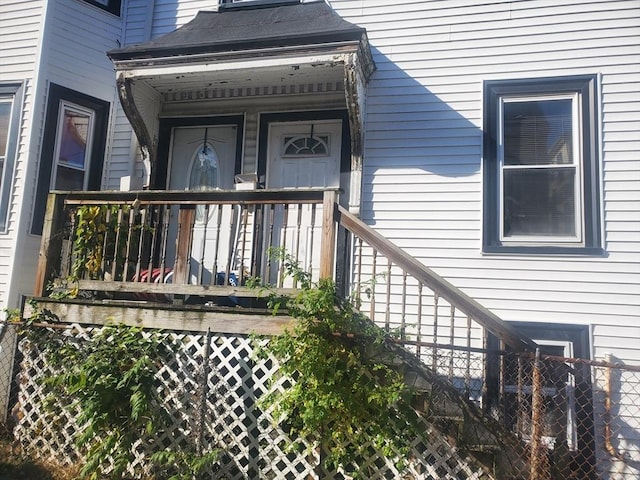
(189, 262)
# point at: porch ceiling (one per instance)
(242, 75)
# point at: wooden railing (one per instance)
(169, 244)
(442, 325)
(161, 245)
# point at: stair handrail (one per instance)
(483, 316)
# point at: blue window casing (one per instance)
(583, 90)
(57, 95)
(11, 95)
(111, 6)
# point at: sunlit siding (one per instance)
(20, 32)
(422, 174)
(79, 35)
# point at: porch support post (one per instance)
(143, 118)
(358, 67)
(328, 241)
(51, 243)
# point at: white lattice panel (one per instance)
(211, 393)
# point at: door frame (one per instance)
(165, 135)
(266, 119)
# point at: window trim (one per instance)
(57, 96)
(232, 4)
(65, 106)
(14, 92)
(584, 88)
(111, 6)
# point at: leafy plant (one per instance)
(344, 396)
(111, 379)
(184, 465)
(102, 236)
(92, 225)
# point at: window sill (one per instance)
(543, 250)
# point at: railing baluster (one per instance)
(359, 270)
(419, 320)
(114, 266)
(434, 360)
(244, 232)
(311, 230)
(166, 216)
(234, 223)
(203, 245)
(144, 225)
(269, 245)
(372, 285)
(299, 237)
(154, 225)
(452, 338)
(387, 313)
(403, 313)
(467, 376)
(258, 225)
(285, 223)
(125, 272)
(66, 269)
(105, 241)
(216, 248)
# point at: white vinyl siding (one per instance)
(422, 166)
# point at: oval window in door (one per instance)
(204, 174)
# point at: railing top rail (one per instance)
(184, 197)
(439, 285)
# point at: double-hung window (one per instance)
(10, 102)
(73, 146)
(541, 166)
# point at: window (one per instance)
(73, 142)
(10, 102)
(541, 166)
(111, 6)
(72, 146)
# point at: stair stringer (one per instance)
(464, 424)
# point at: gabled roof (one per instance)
(239, 29)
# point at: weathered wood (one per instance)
(186, 220)
(328, 239)
(170, 317)
(182, 197)
(172, 288)
(51, 243)
(435, 282)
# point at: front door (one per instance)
(302, 155)
(204, 158)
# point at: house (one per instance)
(496, 143)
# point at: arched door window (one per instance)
(204, 173)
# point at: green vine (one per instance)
(92, 225)
(111, 380)
(344, 396)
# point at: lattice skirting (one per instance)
(213, 399)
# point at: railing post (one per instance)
(186, 220)
(328, 241)
(50, 244)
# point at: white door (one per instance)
(302, 155)
(203, 158)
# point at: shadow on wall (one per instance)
(415, 141)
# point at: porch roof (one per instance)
(237, 31)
